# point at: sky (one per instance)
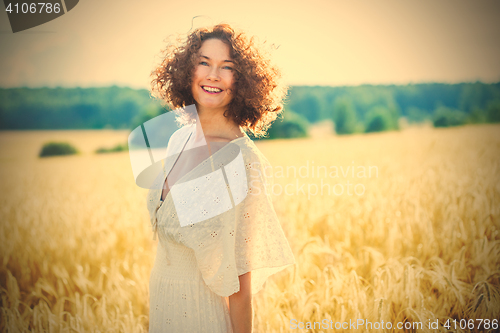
(321, 42)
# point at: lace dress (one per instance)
(208, 238)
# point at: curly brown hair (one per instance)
(258, 91)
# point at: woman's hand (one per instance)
(240, 306)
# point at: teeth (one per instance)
(212, 89)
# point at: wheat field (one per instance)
(415, 239)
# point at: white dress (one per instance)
(208, 238)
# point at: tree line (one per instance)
(364, 108)
(372, 108)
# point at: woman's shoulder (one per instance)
(178, 138)
(184, 130)
(251, 153)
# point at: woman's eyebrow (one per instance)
(203, 56)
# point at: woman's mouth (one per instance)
(211, 90)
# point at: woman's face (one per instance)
(213, 76)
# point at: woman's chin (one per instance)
(211, 106)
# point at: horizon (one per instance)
(294, 85)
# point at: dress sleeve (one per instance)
(247, 237)
(260, 244)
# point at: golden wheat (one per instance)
(421, 243)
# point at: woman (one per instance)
(209, 265)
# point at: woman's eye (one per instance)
(227, 67)
(204, 63)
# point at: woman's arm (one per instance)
(240, 306)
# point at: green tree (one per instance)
(445, 117)
(344, 115)
(147, 113)
(118, 148)
(493, 112)
(291, 125)
(477, 116)
(380, 119)
(57, 148)
(416, 115)
(307, 106)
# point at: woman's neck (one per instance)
(215, 125)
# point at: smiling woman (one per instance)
(220, 238)
(257, 90)
(213, 77)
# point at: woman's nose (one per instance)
(213, 74)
